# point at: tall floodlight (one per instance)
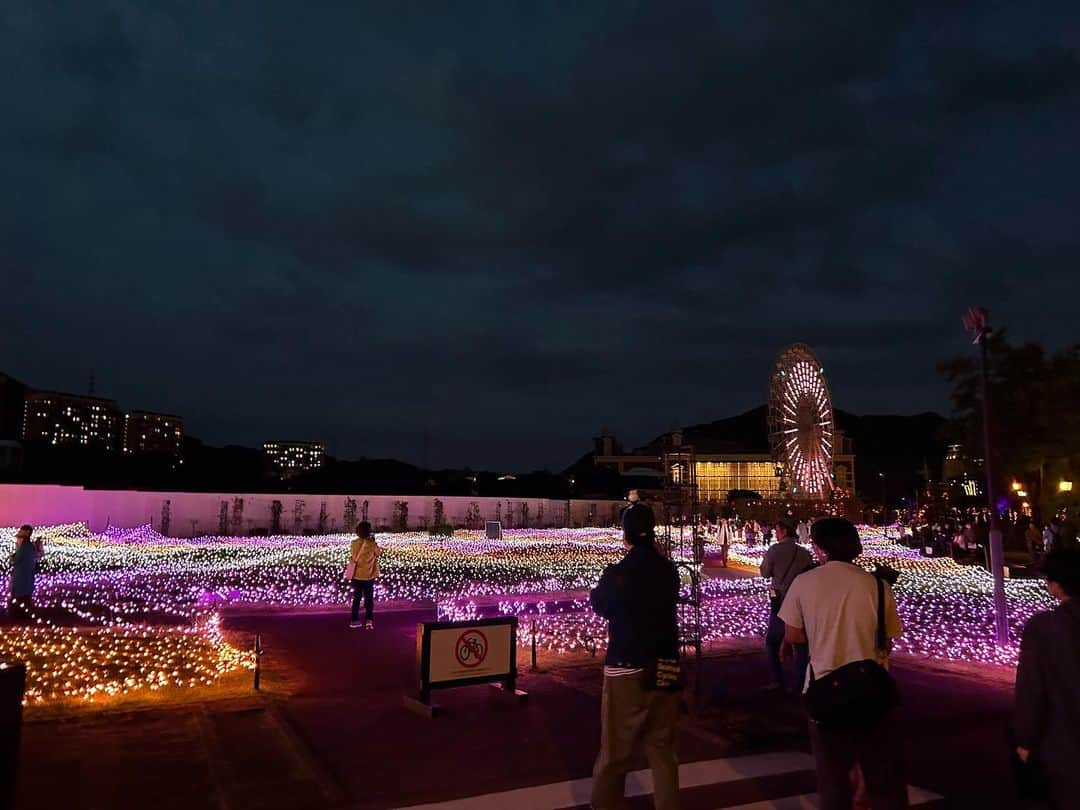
(977, 321)
(801, 423)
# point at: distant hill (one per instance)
(746, 433)
(897, 445)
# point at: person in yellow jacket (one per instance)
(364, 556)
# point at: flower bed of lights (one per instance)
(126, 610)
(946, 608)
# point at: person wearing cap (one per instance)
(638, 596)
(782, 563)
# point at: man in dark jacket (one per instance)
(638, 597)
(1047, 714)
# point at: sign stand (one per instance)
(468, 653)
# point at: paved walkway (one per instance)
(344, 740)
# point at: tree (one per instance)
(473, 518)
(299, 507)
(401, 516)
(275, 517)
(1034, 423)
(348, 519)
(440, 526)
(237, 516)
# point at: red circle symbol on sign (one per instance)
(471, 648)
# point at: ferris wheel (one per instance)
(801, 423)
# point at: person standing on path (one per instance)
(23, 569)
(724, 540)
(1047, 708)
(1050, 536)
(640, 700)
(750, 533)
(803, 533)
(1032, 539)
(782, 563)
(834, 608)
(364, 555)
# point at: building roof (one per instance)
(36, 392)
(156, 413)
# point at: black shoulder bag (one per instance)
(856, 695)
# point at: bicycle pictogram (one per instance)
(471, 648)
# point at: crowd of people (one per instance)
(837, 621)
(967, 540)
(750, 532)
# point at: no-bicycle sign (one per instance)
(458, 650)
(471, 648)
(465, 653)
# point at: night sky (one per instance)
(512, 224)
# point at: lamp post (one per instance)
(884, 503)
(977, 321)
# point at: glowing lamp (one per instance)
(1065, 486)
(1017, 486)
(1021, 493)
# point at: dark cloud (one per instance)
(102, 54)
(511, 225)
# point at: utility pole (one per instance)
(977, 321)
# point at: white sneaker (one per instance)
(355, 625)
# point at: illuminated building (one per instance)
(70, 419)
(955, 462)
(292, 458)
(146, 432)
(724, 467)
(962, 474)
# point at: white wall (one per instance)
(199, 512)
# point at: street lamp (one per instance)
(977, 321)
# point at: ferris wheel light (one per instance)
(801, 422)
